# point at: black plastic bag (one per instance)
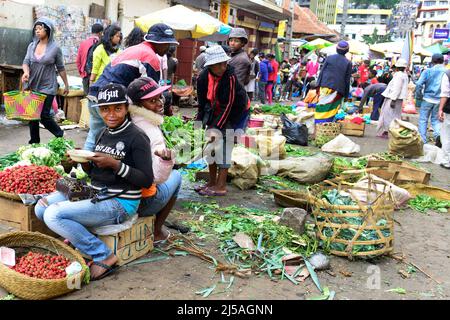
(295, 133)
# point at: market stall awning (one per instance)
(317, 44)
(263, 8)
(186, 22)
(356, 47)
(389, 48)
(437, 48)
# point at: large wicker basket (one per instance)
(341, 226)
(326, 132)
(26, 287)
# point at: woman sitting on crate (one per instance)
(121, 167)
(42, 59)
(147, 113)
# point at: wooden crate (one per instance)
(403, 171)
(353, 129)
(132, 243)
(18, 216)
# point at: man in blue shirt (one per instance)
(428, 89)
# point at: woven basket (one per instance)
(332, 224)
(11, 196)
(26, 287)
(326, 132)
(23, 105)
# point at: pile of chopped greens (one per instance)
(9, 160)
(335, 197)
(296, 151)
(277, 182)
(423, 203)
(272, 241)
(183, 138)
(277, 109)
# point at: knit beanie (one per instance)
(342, 47)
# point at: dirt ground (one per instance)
(422, 238)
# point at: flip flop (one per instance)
(109, 270)
(159, 243)
(200, 188)
(211, 193)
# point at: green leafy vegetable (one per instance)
(423, 203)
(277, 109)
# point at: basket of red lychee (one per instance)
(35, 266)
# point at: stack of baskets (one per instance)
(326, 132)
(365, 229)
(26, 287)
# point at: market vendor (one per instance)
(121, 167)
(222, 102)
(134, 62)
(333, 84)
(375, 91)
(147, 114)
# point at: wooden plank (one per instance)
(381, 163)
(14, 211)
(410, 173)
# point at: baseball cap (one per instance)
(112, 93)
(144, 88)
(160, 33)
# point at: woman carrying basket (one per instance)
(41, 62)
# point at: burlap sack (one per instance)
(407, 145)
(244, 168)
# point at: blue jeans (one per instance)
(96, 124)
(71, 219)
(426, 110)
(378, 100)
(164, 192)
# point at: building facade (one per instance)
(325, 10)
(431, 15)
(362, 22)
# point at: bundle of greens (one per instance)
(277, 182)
(423, 203)
(340, 198)
(277, 109)
(183, 138)
(296, 151)
(343, 164)
(9, 160)
(271, 240)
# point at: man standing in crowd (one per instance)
(254, 70)
(363, 72)
(444, 117)
(199, 64)
(428, 89)
(97, 32)
(292, 79)
(241, 64)
(137, 61)
(264, 69)
(272, 80)
(239, 58)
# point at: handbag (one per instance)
(24, 105)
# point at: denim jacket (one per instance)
(429, 84)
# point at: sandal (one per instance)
(159, 243)
(211, 193)
(109, 270)
(200, 188)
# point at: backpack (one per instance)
(90, 58)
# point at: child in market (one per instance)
(312, 97)
(222, 101)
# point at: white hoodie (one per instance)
(149, 122)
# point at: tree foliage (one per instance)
(376, 38)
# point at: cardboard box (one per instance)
(353, 129)
(132, 243)
(16, 215)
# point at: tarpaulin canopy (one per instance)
(356, 47)
(186, 23)
(437, 48)
(317, 44)
(397, 48)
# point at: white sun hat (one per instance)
(215, 55)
